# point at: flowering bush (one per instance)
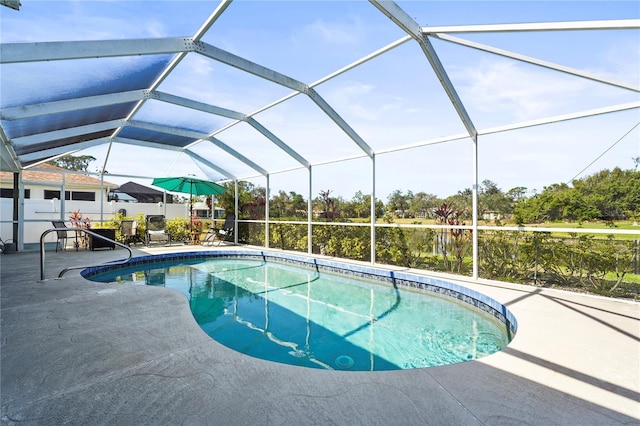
(78, 221)
(197, 224)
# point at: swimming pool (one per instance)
(325, 314)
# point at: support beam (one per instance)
(267, 213)
(200, 136)
(39, 138)
(534, 61)
(560, 118)
(247, 66)
(226, 148)
(195, 105)
(273, 138)
(210, 164)
(404, 21)
(217, 13)
(618, 24)
(11, 53)
(170, 130)
(283, 80)
(474, 210)
(235, 206)
(18, 200)
(310, 214)
(61, 150)
(373, 209)
(333, 115)
(147, 144)
(8, 158)
(67, 105)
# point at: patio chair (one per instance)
(61, 234)
(128, 231)
(156, 230)
(221, 234)
(7, 246)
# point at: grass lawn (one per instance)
(618, 225)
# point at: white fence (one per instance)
(38, 214)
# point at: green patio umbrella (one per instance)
(189, 185)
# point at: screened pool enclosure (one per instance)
(367, 97)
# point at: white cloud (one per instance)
(202, 66)
(334, 33)
(362, 101)
(517, 92)
(624, 58)
(155, 28)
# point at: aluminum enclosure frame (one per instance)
(23, 152)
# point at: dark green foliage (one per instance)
(606, 196)
(251, 200)
(509, 255)
(409, 247)
(581, 261)
(350, 242)
(288, 236)
(590, 263)
(77, 163)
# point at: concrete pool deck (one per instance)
(77, 352)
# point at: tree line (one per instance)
(607, 195)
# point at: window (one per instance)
(69, 195)
(50, 194)
(83, 196)
(8, 193)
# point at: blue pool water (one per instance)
(308, 317)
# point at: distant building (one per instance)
(201, 210)
(45, 183)
(134, 192)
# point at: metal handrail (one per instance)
(86, 231)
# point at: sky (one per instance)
(394, 100)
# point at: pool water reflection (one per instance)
(305, 317)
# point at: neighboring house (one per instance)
(46, 181)
(139, 193)
(201, 210)
(121, 197)
(495, 215)
(84, 194)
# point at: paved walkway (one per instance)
(77, 352)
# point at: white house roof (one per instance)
(47, 173)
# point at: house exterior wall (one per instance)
(37, 190)
(39, 213)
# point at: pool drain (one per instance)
(344, 362)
